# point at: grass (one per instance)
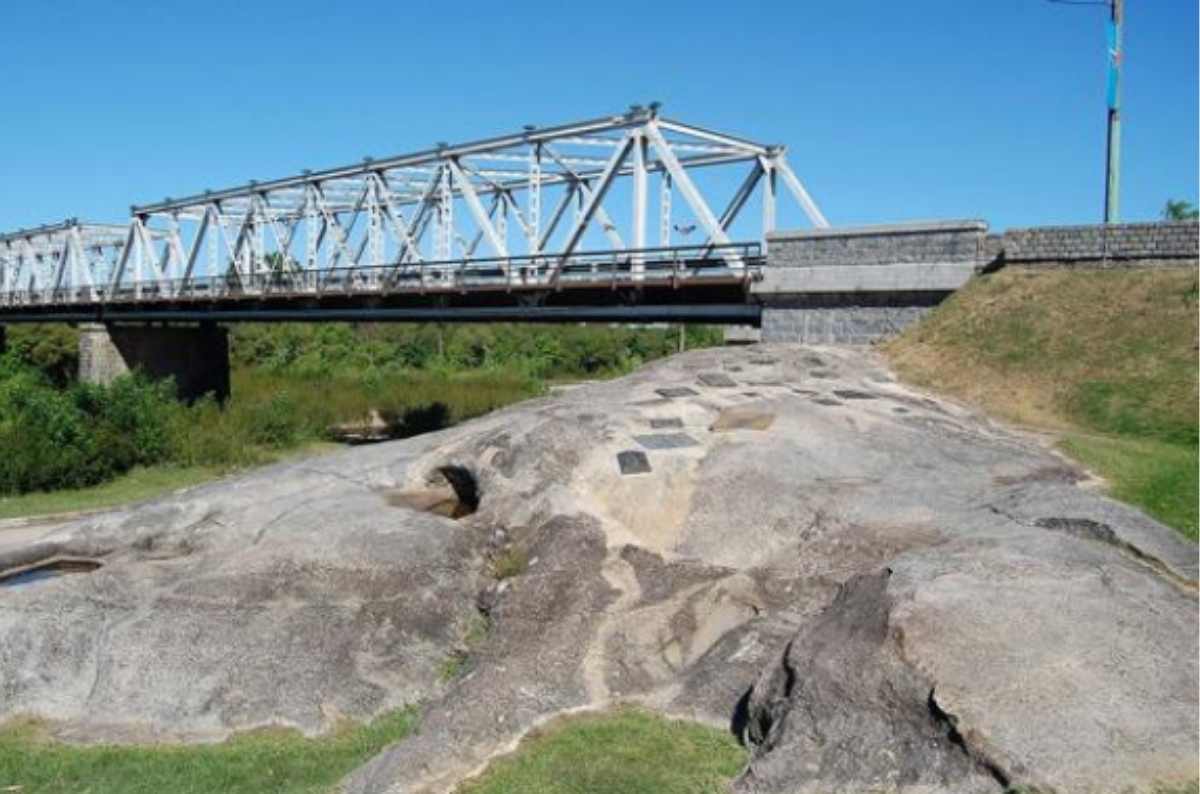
(461, 660)
(1158, 476)
(136, 485)
(269, 761)
(133, 486)
(513, 561)
(626, 751)
(1106, 358)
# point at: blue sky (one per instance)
(890, 110)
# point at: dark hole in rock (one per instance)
(716, 379)
(1043, 474)
(50, 569)
(665, 440)
(669, 422)
(1080, 527)
(853, 394)
(739, 721)
(677, 391)
(651, 402)
(633, 461)
(463, 482)
(822, 374)
(452, 492)
(826, 401)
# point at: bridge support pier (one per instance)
(195, 356)
(860, 285)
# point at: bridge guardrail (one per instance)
(671, 266)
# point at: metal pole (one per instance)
(1112, 184)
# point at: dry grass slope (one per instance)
(1107, 358)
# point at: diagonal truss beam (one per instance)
(591, 204)
(554, 183)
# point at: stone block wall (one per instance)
(861, 284)
(1167, 244)
(857, 285)
(847, 318)
(941, 242)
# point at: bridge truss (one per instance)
(542, 210)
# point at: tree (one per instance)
(1181, 210)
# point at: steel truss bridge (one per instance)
(544, 224)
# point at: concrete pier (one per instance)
(195, 356)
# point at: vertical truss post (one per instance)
(139, 255)
(637, 262)
(445, 217)
(664, 211)
(502, 221)
(535, 200)
(258, 249)
(310, 231)
(174, 249)
(375, 239)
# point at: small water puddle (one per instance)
(47, 570)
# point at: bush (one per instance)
(292, 383)
(51, 349)
(274, 423)
(46, 439)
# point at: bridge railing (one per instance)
(672, 266)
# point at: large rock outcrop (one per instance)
(881, 590)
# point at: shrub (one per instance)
(274, 423)
(46, 439)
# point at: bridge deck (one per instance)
(698, 283)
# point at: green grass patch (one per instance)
(138, 484)
(1108, 358)
(513, 561)
(627, 751)
(1157, 476)
(132, 486)
(258, 762)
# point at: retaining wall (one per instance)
(1167, 244)
(856, 285)
(860, 284)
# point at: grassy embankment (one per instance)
(259, 762)
(1108, 360)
